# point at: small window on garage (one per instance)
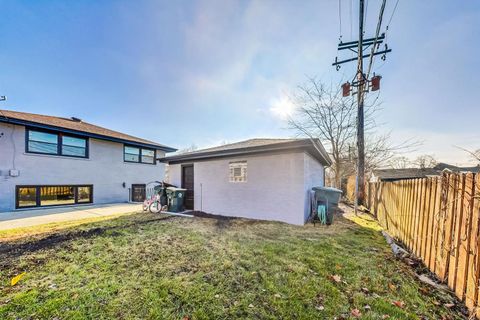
(238, 171)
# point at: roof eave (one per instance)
(86, 134)
(296, 145)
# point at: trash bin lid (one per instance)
(327, 189)
(173, 189)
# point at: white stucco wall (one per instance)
(275, 189)
(314, 176)
(105, 169)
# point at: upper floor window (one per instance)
(60, 144)
(139, 155)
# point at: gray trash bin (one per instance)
(328, 196)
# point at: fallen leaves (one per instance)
(399, 303)
(356, 313)
(336, 278)
(17, 278)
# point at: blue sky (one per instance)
(204, 72)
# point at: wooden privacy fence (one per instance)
(438, 219)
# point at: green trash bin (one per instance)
(175, 199)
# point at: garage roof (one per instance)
(254, 146)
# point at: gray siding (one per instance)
(105, 169)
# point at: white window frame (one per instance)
(238, 171)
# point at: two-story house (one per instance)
(53, 161)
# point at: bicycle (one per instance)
(156, 206)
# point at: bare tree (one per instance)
(193, 147)
(322, 112)
(425, 161)
(400, 162)
(475, 154)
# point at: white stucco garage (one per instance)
(266, 179)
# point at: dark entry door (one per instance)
(187, 183)
(138, 192)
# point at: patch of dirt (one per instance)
(202, 214)
(222, 222)
(9, 251)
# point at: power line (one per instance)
(377, 33)
(340, 16)
(366, 12)
(393, 12)
(362, 83)
(351, 19)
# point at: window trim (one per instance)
(243, 165)
(38, 194)
(59, 135)
(140, 154)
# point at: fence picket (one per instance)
(437, 219)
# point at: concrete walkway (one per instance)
(34, 217)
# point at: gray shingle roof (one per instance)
(407, 173)
(443, 166)
(255, 146)
(74, 124)
(257, 142)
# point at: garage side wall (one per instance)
(314, 177)
(274, 189)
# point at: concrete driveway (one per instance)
(34, 217)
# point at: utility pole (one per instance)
(360, 183)
(362, 84)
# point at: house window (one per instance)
(42, 142)
(26, 197)
(238, 171)
(45, 196)
(75, 147)
(60, 144)
(139, 155)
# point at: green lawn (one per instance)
(148, 266)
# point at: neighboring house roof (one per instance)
(255, 146)
(76, 126)
(442, 166)
(407, 173)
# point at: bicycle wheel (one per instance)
(155, 207)
(145, 205)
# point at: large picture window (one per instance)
(44, 196)
(60, 144)
(138, 155)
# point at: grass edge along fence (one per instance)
(437, 219)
